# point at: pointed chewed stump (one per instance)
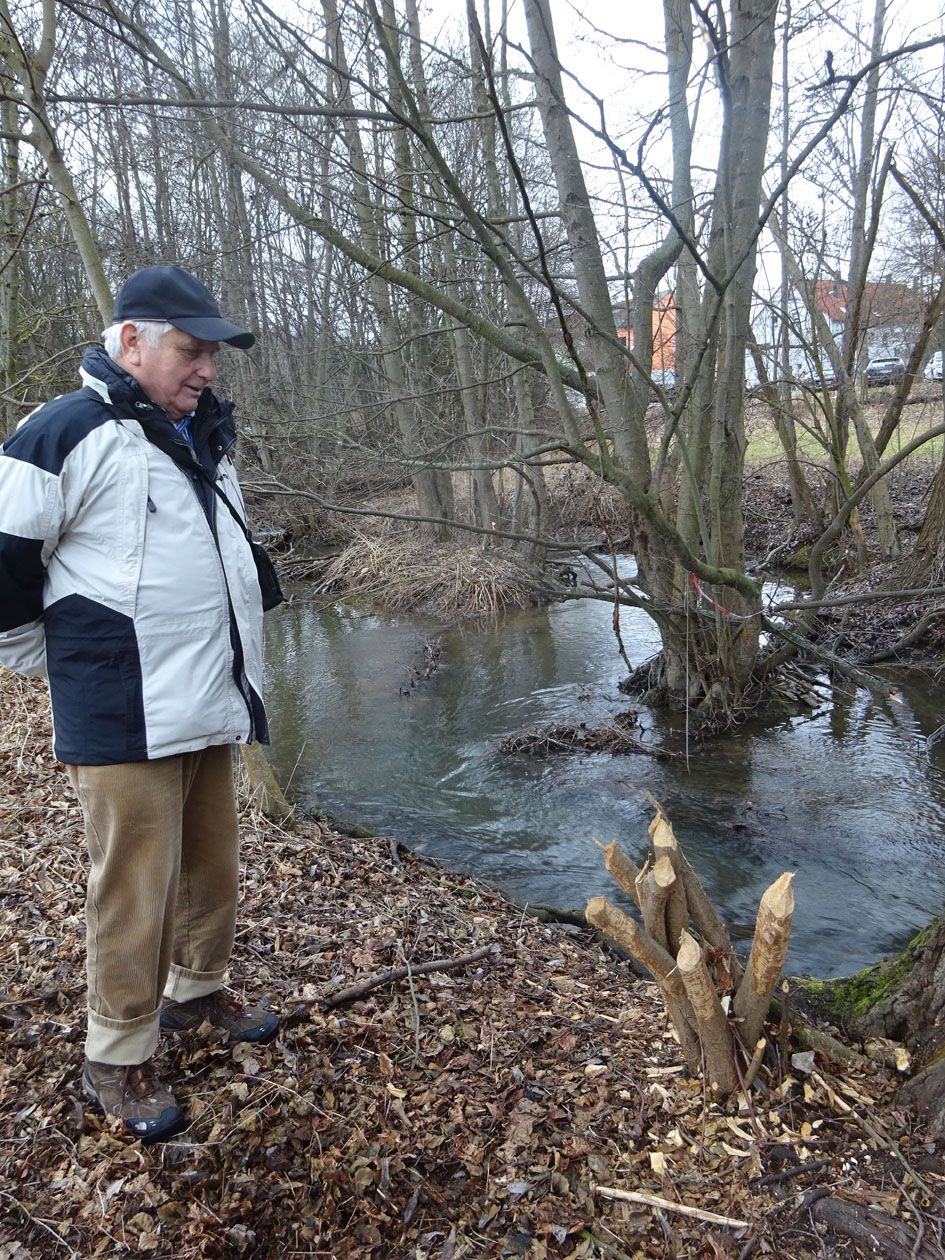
(716, 1006)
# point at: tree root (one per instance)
(880, 1234)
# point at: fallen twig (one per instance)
(398, 973)
(667, 1205)
(775, 1178)
(892, 1147)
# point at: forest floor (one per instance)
(491, 1108)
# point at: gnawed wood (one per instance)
(756, 1061)
(715, 1033)
(264, 786)
(666, 849)
(623, 869)
(653, 888)
(768, 950)
(704, 915)
(638, 943)
(668, 892)
(706, 918)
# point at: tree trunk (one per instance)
(707, 659)
(432, 494)
(926, 563)
(10, 275)
(902, 998)
(30, 68)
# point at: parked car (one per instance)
(933, 369)
(886, 371)
(822, 378)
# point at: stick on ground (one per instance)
(667, 1205)
(327, 1002)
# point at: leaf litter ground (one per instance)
(459, 1113)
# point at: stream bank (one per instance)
(468, 1114)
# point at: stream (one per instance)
(844, 795)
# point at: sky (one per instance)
(616, 51)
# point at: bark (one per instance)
(264, 786)
(903, 999)
(653, 887)
(622, 868)
(427, 482)
(606, 357)
(876, 1232)
(706, 919)
(768, 951)
(802, 500)
(659, 963)
(485, 504)
(439, 480)
(692, 366)
(704, 915)
(10, 275)
(925, 565)
(732, 254)
(667, 853)
(715, 1034)
(530, 506)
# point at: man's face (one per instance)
(173, 373)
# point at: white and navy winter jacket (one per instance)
(124, 580)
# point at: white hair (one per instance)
(151, 330)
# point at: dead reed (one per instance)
(404, 573)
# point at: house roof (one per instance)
(884, 302)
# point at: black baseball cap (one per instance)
(174, 295)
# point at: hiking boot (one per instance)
(136, 1096)
(222, 1010)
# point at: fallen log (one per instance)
(881, 1234)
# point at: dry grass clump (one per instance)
(404, 573)
(579, 499)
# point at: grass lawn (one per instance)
(764, 446)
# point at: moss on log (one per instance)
(848, 1000)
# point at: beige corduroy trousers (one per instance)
(160, 907)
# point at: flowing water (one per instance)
(844, 795)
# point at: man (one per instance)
(129, 584)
